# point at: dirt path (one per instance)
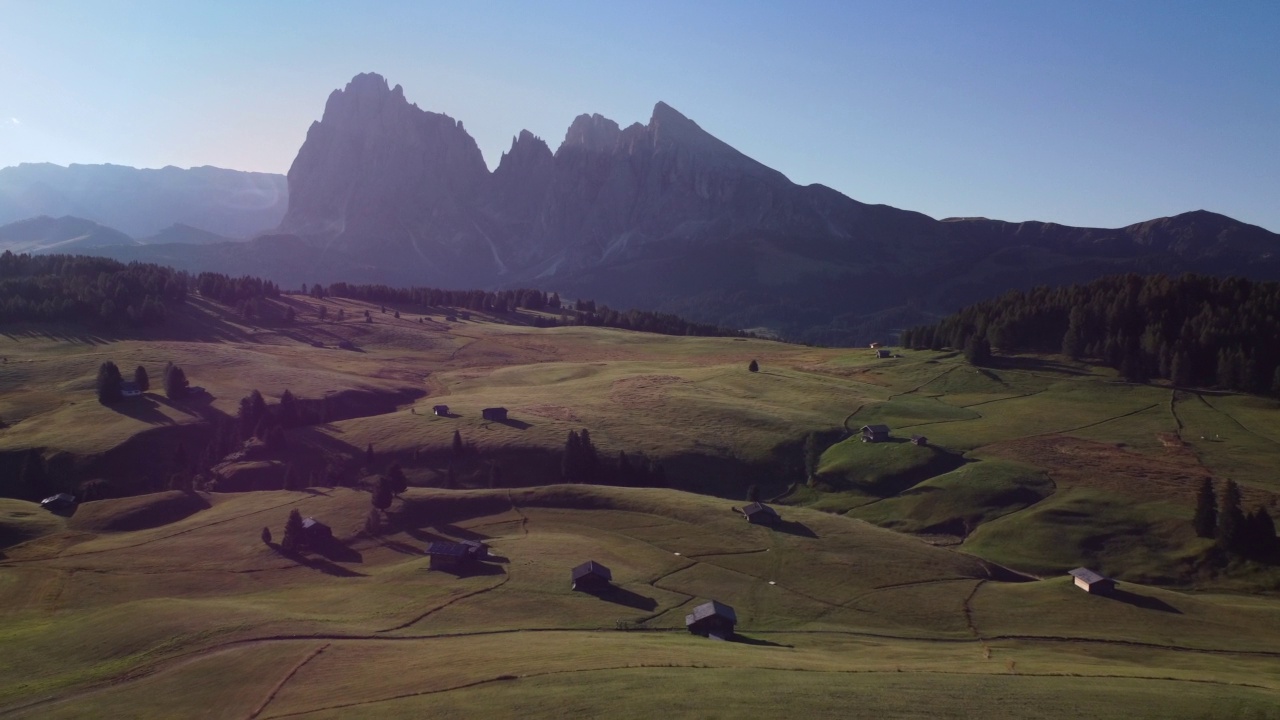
(284, 680)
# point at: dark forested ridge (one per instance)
(91, 290)
(1191, 329)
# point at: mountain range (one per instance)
(661, 216)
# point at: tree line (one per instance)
(1252, 535)
(88, 290)
(1193, 330)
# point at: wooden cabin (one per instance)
(440, 410)
(450, 556)
(919, 440)
(760, 514)
(1092, 582)
(590, 576)
(884, 353)
(875, 433)
(498, 414)
(315, 531)
(712, 619)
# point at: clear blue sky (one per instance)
(1083, 113)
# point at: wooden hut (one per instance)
(498, 414)
(919, 440)
(760, 514)
(875, 433)
(449, 556)
(1092, 582)
(712, 619)
(590, 576)
(315, 531)
(440, 410)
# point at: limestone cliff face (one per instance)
(378, 176)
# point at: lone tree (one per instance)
(175, 383)
(293, 532)
(141, 380)
(1206, 519)
(1231, 519)
(266, 535)
(395, 474)
(382, 494)
(754, 366)
(368, 456)
(109, 383)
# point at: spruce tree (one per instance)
(293, 532)
(109, 383)
(1206, 518)
(382, 493)
(368, 456)
(175, 383)
(590, 459)
(140, 379)
(571, 462)
(395, 474)
(1231, 518)
(458, 447)
(754, 366)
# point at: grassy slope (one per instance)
(198, 613)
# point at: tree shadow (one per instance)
(402, 548)
(336, 551)
(142, 408)
(424, 536)
(1146, 602)
(622, 596)
(795, 527)
(322, 564)
(459, 532)
(743, 639)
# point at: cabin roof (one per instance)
(591, 567)
(310, 522)
(711, 609)
(1086, 575)
(447, 549)
(758, 507)
(875, 428)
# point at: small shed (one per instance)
(875, 433)
(130, 389)
(1092, 582)
(476, 549)
(712, 619)
(758, 513)
(441, 410)
(448, 555)
(919, 440)
(884, 353)
(315, 531)
(591, 575)
(58, 502)
(494, 413)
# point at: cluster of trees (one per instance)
(1193, 330)
(233, 291)
(110, 382)
(96, 292)
(582, 312)
(581, 463)
(1249, 534)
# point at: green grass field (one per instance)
(198, 615)
(887, 592)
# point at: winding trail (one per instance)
(284, 680)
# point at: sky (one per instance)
(1076, 112)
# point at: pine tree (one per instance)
(368, 456)
(289, 413)
(399, 483)
(175, 385)
(754, 366)
(140, 379)
(109, 383)
(266, 535)
(590, 459)
(1206, 518)
(977, 350)
(458, 447)
(1231, 518)
(571, 462)
(382, 493)
(293, 532)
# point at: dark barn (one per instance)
(441, 410)
(498, 414)
(712, 619)
(449, 556)
(760, 514)
(591, 575)
(875, 433)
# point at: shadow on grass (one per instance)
(795, 527)
(337, 552)
(1145, 602)
(743, 639)
(622, 596)
(322, 564)
(143, 409)
(424, 536)
(462, 533)
(517, 424)
(472, 569)
(402, 548)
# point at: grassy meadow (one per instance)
(907, 580)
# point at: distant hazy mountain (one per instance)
(664, 216)
(61, 235)
(184, 235)
(140, 203)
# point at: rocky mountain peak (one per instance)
(592, 132)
